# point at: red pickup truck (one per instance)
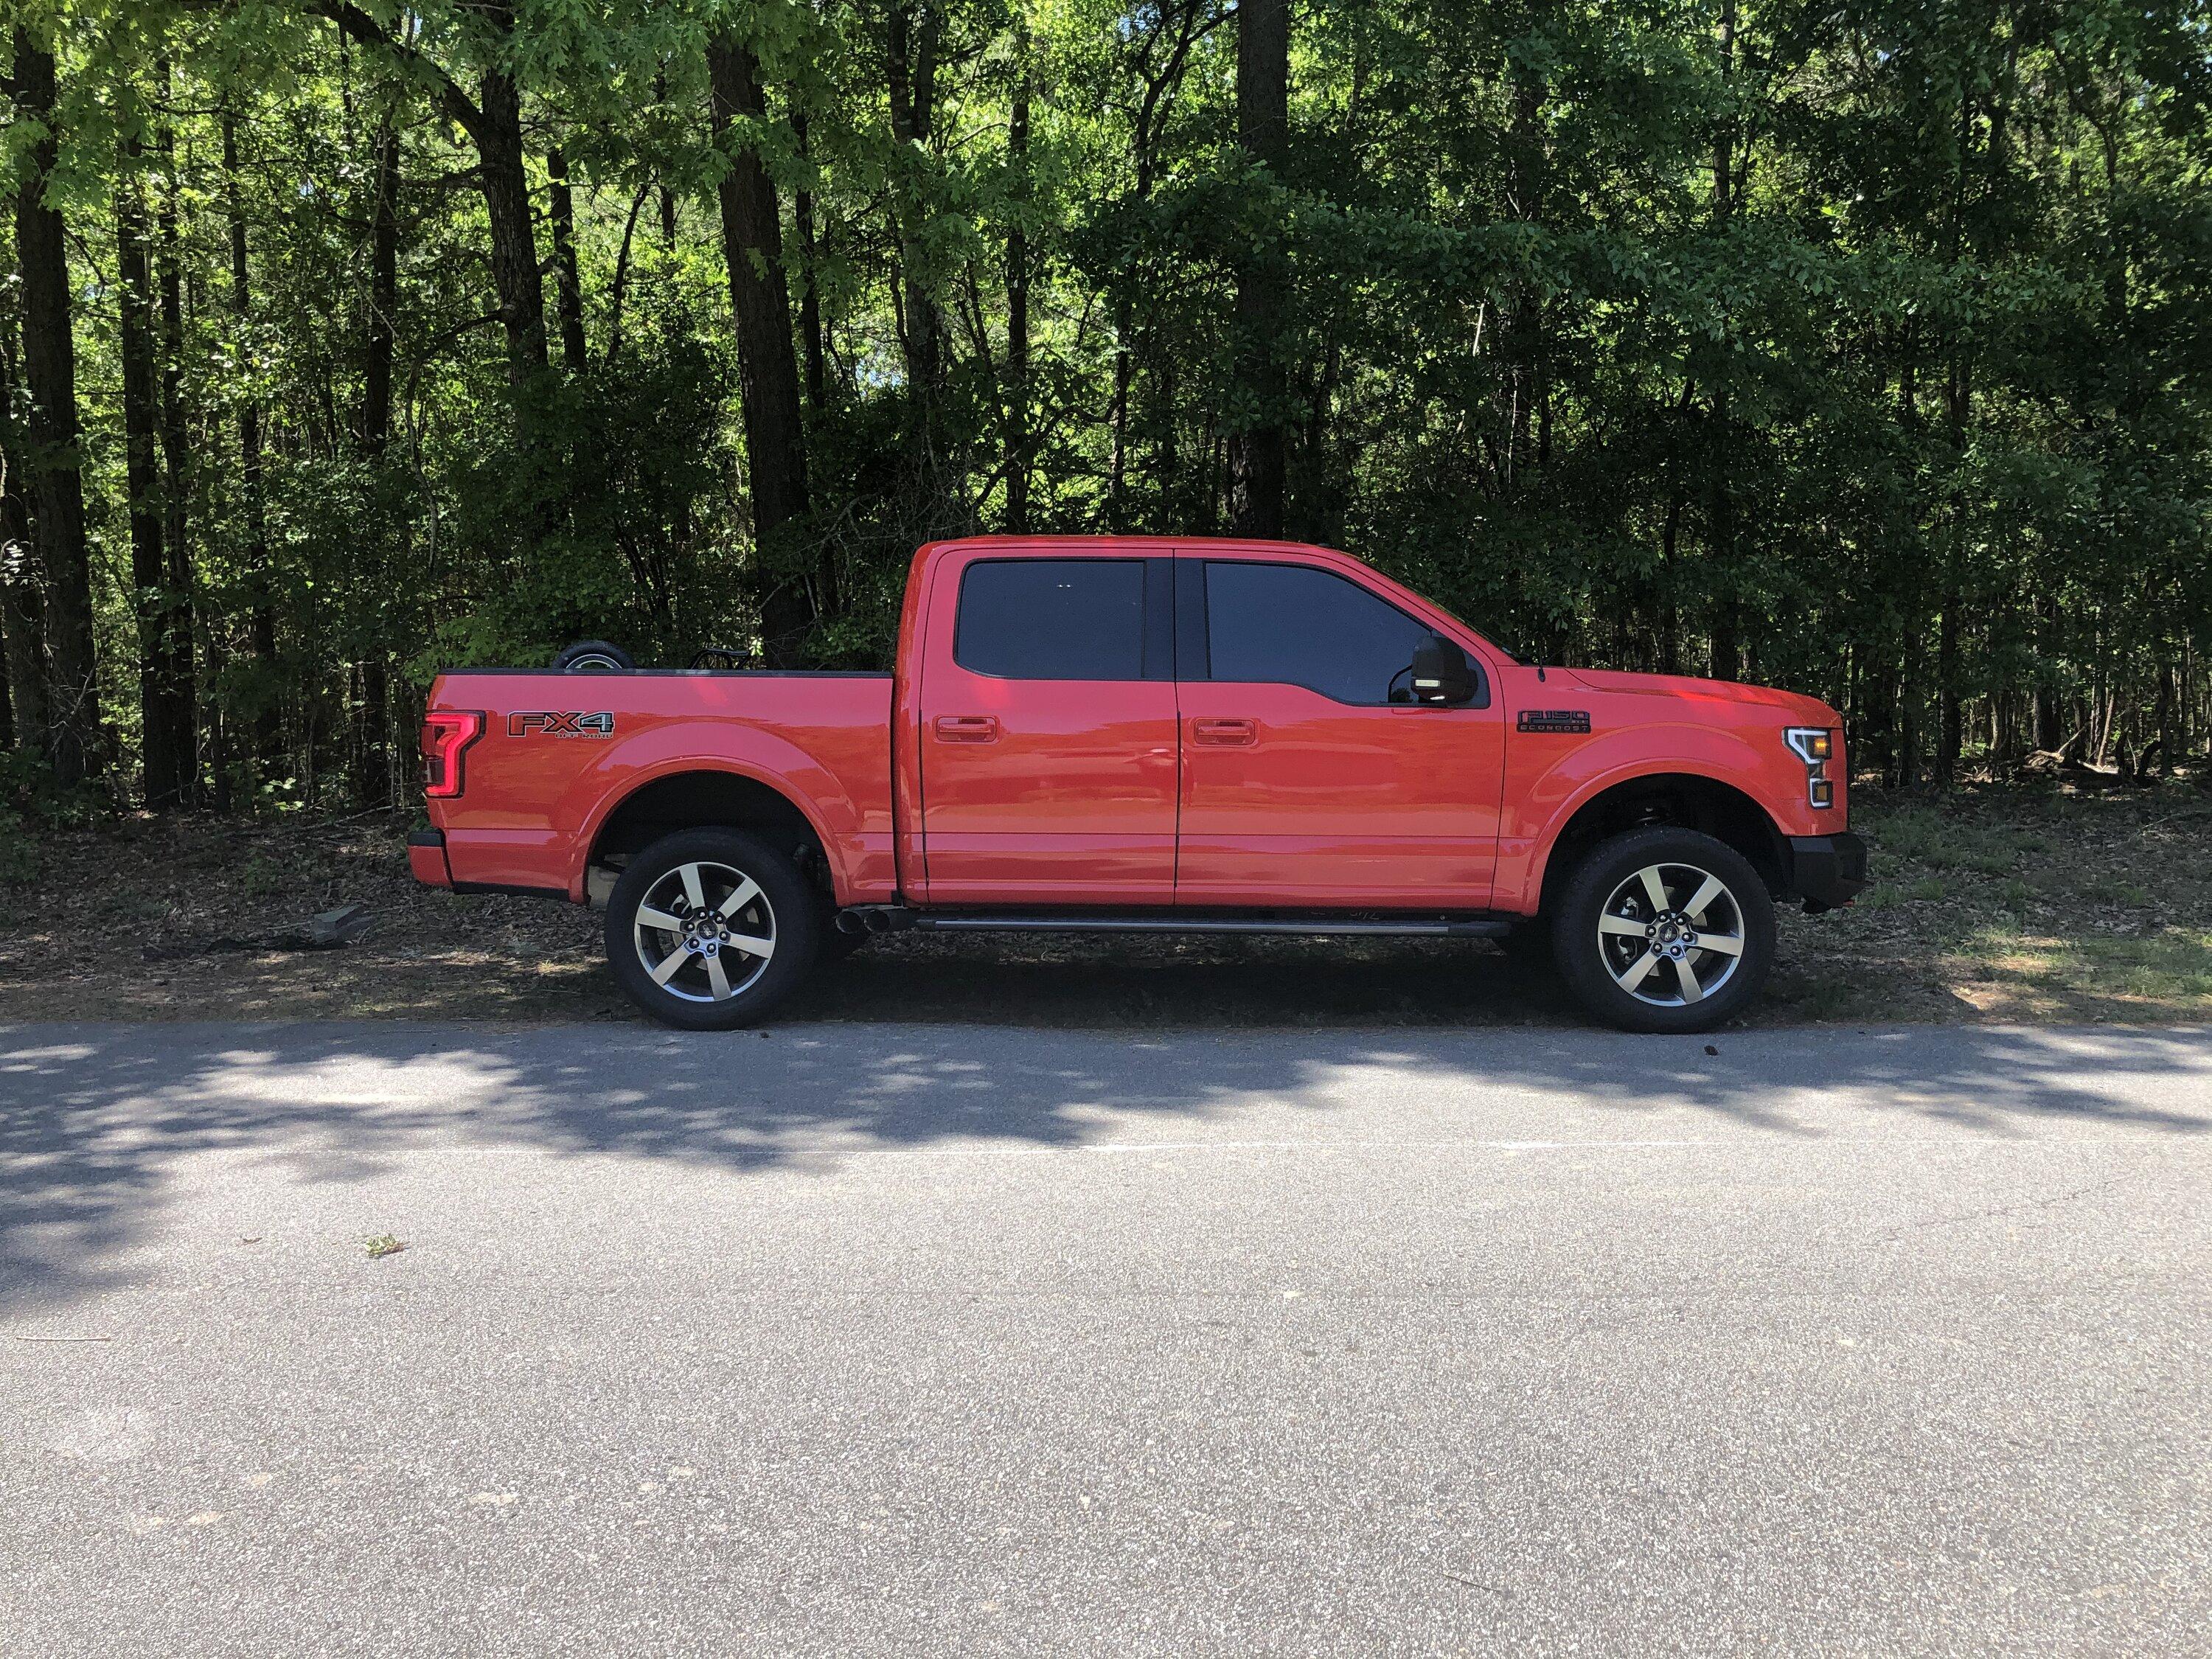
(1126, 734)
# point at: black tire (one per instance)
(593, 657)
(785, 914)
(1608, 971)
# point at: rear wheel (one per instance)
(1664, 930)
(710, 929)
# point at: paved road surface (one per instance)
(918, 1339)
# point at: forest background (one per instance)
(1858, 346)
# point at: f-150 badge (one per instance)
(550, 723)
(1555, 719)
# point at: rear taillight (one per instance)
(447, 735)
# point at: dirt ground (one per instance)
(1997, 904)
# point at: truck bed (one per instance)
(558, 753)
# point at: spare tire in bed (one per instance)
(593, 657)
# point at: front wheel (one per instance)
(1664, 930)
(710, 929)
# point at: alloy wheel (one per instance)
(1671, 935)
(705, 931)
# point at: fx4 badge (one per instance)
(554, 724)
(1555, 719)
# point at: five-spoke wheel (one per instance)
(710, 928)
(1664, 929)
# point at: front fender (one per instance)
(1549, 780)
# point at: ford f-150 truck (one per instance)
(1128, 735)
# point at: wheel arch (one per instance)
(695, 796)
(1690, 800)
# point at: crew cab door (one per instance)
(1047, 730)
(1303, 784)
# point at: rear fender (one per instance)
(682, 746)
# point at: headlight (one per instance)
(1813, 744)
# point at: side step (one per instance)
(898, 919)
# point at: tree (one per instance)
(768, 372)
(1257, 456)
(164, 693)
(485, 32)
(53, 459)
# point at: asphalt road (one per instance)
(926, 1339)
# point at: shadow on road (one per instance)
(92, 1118)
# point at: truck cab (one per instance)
(1153, 734)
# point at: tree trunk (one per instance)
(810, 298)
(56, 486)
(372, 778)
(1726, 648)
(1017, 298)
(514, 242)
(912, 31)
(383, 294)
(1520, 323)
(176, 631)
(373, 765)
(1257, 462)
(567, 291)
(268, 725)
(158, 727)
(22, 605)
(494, 124)
(1950, 722)
(768, 372)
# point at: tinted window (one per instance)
(1053, 619)
(1305, 626)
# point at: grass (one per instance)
(2025, 904)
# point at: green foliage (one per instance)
(1868, 356)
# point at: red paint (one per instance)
(942, 787)
(1042, 792)
(533, 804)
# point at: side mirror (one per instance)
(1441, 673)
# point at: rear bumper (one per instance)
(426, 857)
(1828, 871)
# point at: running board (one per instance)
(895, 919)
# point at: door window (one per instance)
(1299, 626)
(1052, 619)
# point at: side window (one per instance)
(1300, 626)
(1052, 619)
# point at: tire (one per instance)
(1637, 973)
(593, 657)
(714, 985)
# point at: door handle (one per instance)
(1227, 733)
(967, 728)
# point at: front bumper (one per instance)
(1828, 871)
(426, 857)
